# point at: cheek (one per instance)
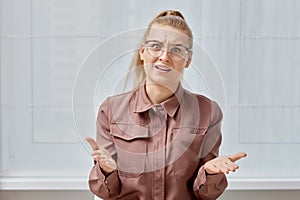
(147, 67)
(148, 59)
(180, 66)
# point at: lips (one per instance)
(162, 68)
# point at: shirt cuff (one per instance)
(200, 179)
(111, 182)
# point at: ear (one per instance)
(189, 59)
(142, 51)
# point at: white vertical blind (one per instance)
(254, 44)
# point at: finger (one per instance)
(100, 156)
(237, 156)
(96, 152)
(108, 165)
(93, 143)
(223, 168)
(108, 162)
(100, 152)
(232, 167)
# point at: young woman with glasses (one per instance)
(160, 141)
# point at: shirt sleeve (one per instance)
(209, 187)
(104, 187)
(109, 186)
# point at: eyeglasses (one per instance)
(175, 51)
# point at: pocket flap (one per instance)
(129, 131)
(191, 130)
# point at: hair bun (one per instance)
(170, 12)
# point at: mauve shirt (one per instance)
(160, 149)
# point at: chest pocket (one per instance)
(191, 139)
(131, 144)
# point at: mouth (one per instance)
(162, 68)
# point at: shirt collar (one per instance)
(143, 103)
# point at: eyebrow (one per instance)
(175, 44)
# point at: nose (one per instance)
(164, 56)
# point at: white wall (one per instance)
(254, 44)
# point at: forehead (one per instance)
(167, 34)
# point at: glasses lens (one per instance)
(154, 49)
(176, 52)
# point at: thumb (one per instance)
(93, 143)
(237, 156)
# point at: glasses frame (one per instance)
(167, 49)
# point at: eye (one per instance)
(155, 46)
(175, 49)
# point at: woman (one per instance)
(160, 141)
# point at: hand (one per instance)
(223, 164)
(102, 157)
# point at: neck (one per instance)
(158, 93)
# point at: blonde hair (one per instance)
(170, 18)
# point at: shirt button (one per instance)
(159, 108)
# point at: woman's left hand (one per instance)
(223, 164)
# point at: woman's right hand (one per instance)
(102, 157)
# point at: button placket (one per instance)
(160, 118)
